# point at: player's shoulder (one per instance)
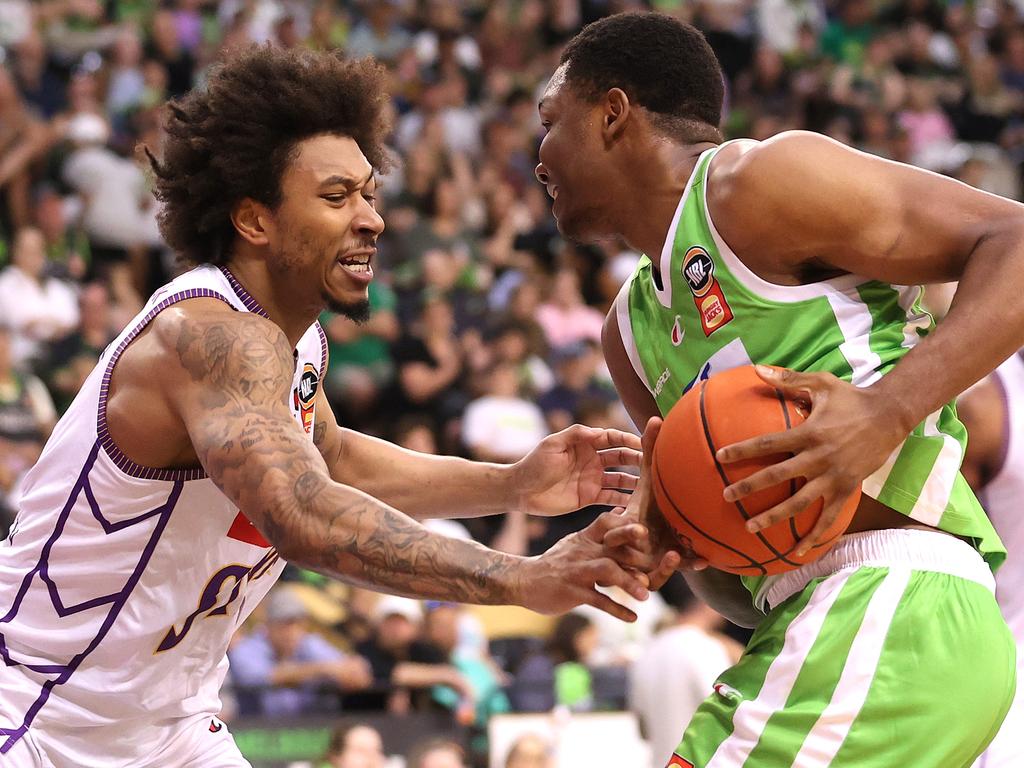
(747, 160)
(205, 333)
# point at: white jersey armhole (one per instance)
(626, 333)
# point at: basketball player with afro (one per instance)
(201, 454)
(801, 253)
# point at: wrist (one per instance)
(895, 405)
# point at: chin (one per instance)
(582, 230)
(355, 308)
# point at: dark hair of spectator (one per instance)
(420, 751)
(562, 644)
(339, 739)
(662, 64)
(235, 138)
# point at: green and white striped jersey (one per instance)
(712, 313)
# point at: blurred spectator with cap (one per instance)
(284, 669)
(403, 664)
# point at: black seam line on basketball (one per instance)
(725, 479)
(702, 532)
(792, 481)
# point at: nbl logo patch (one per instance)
(699, 273)
(304, 396)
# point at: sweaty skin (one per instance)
(792, 224)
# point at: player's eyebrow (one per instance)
(348, 182)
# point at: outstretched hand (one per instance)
(577, 467)
(645, 542)
(567, 574)
(849, 433)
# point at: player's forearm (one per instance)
(984, 326)
(421, 485)
(343, 532)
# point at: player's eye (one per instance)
(336, 198)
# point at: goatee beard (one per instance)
(356, 311)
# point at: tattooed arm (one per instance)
(574, 468)
(228, 378)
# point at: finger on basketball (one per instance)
(792, 506)
(765, 478)
(762, 445)
(828, 515)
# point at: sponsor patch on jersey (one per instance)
(677, 761)
(304, 396)
(699, 272)
(215, 727)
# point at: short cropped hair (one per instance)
(234, 138)
(662, 64)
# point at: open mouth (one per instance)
(358, 263)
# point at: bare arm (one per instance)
(780, 213)
(567, 471)
(800, 206)
(228, 376)
(722, 591)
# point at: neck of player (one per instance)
(650, 206)
(289, 303)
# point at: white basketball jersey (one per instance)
(1003, 497)
(121, 585)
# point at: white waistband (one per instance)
(921, 550)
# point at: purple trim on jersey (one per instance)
(121, 461)
(250, 303)
(323, 357)
(117, 600)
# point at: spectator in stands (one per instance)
(572, 641)
(459, 636)
(501, 425)
(565, 317)
(676, 671)
(530, 751)
(69, 360)
(26, 417)
(23, 140)
(283, 669)
(428, 363)
(402, 663)
(354, 746)
(119, 214)
(360, 356)
(576, 385)
(437, 753)
(37, 308)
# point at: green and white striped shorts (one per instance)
(888, 652)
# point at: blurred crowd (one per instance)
(485, 329)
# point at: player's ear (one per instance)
(251, 219)
(616, 114)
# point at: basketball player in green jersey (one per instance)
(797, 252)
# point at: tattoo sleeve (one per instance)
(240, 371)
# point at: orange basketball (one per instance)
(688, 481)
